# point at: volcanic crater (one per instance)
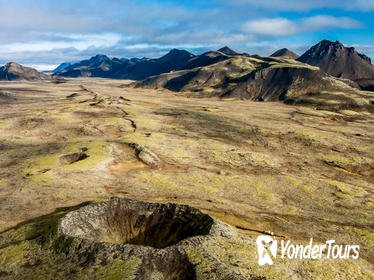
(124, 221)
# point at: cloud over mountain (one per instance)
(283, 26)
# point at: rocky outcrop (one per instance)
(146, 155)
(74, 157)
(281, 83)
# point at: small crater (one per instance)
(74, 157)
(123, 221)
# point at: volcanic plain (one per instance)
(260, 167)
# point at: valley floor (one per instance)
(258, 166)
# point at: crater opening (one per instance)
(124, 221)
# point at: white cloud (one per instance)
(77, 41)
(307, 5)
(270, 26)
(364, 5)
(366, 49)
(203, 37)
(43, 67)
(283, 26)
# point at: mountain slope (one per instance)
(244, 77)
(285, 53)
(13, 72)
(337, 60)
(61, 67)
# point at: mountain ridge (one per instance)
(265, 79)
(137, 69)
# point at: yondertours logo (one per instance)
(267, 248)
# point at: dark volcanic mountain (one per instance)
(97, 66)
(245, 77)
(175, 59)
(341, 62)
(285, 53)
(137, 69)
(13, 72)
(227, 51)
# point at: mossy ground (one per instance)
(295, 171)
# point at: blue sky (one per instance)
(44, 33)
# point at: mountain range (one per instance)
(137, 69)
(331, 57)
(281, 78)
(326, 69)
